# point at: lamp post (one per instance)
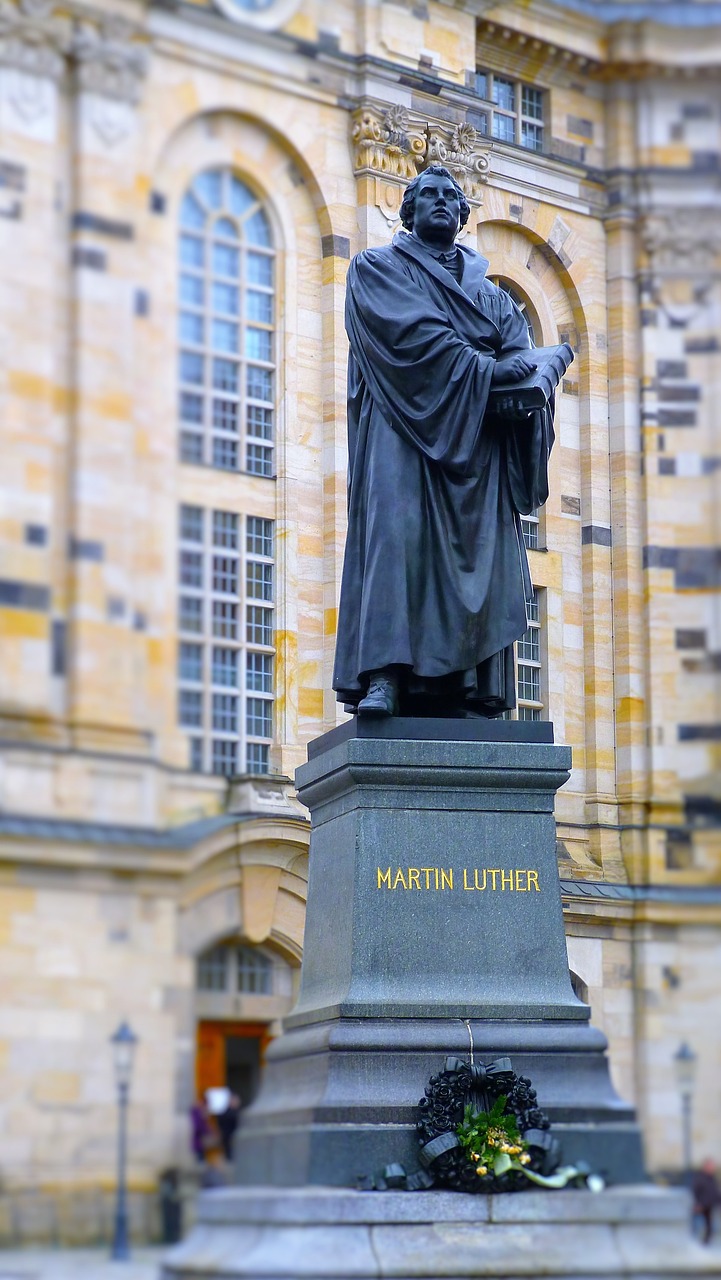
(124, 1042)
(684, 1061)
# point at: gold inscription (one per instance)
(477, 879)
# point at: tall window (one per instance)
(528, 664)
(226, 334)
(514, 110)
(530, 528)
(225, 651)
(529, 667)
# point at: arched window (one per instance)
(237, 970)
(226, 326)
(523, 305)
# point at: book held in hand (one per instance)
(535, 391)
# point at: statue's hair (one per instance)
(408, 205)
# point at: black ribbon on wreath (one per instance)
(486, 1082)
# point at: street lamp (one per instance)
(124, 1042)
(684, 1061)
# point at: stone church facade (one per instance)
(182, 185)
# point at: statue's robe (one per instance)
(435, 576)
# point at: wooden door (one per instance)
(211, 1056)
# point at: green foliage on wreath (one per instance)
(492, 1140)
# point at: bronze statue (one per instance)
(435, 576)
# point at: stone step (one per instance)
(317, 1233)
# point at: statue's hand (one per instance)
(512, 369)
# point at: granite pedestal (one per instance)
(434, 926)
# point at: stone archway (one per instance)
(245, 885)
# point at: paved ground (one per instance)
(77, 1264)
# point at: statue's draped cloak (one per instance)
(435, 575)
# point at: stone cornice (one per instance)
(516, 46)
(627, 48)
(637, 50)
(398, 143)
(640, 903)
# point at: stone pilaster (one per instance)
(111, 599)
(34, 42)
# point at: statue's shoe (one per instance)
(381, 698)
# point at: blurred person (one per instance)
(227, 1123)
(706, 1196)
(213, 1173)
(202, 1129)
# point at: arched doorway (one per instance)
(241, 991)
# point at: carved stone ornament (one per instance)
(110, 59)
(109, 54)
(682, 242)
(33, 39)
(400, 143)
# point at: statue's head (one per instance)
(408, 205)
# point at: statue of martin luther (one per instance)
(435, 576)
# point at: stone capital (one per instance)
(110, 58)
(398, 143)
(109, 54)
(681, 242)
(33, 38)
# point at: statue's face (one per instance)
(437, 214)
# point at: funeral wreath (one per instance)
(481, 1129)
